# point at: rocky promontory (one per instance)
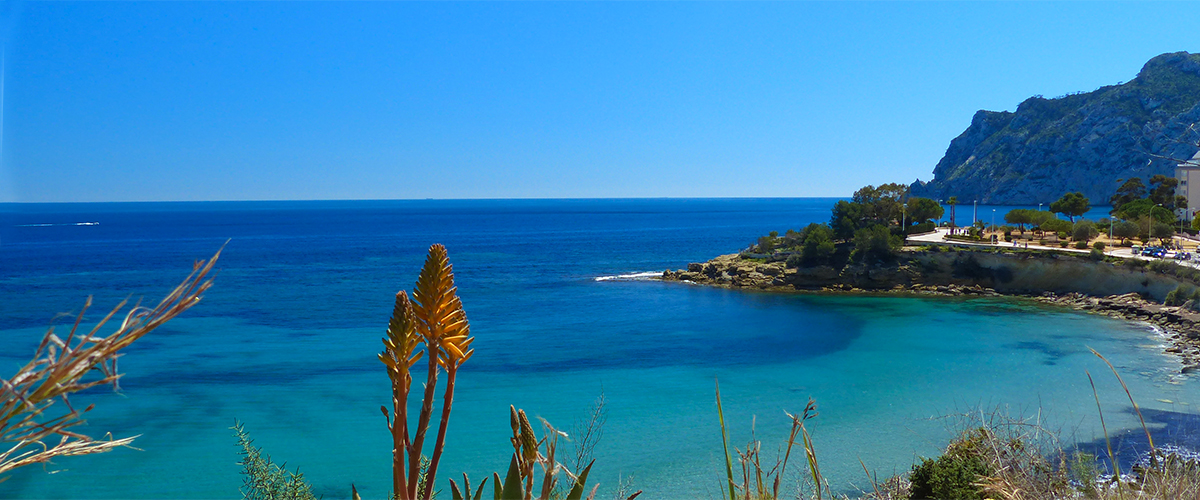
(1133, 293)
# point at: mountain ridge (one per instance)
(1077, 142)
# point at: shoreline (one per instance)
(1179, 325)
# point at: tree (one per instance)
(1057, 226)
(818, 244)
(1084, 230)
(1020, 217)
(1162, 190)
(1125, 230)
(876, 242)
(922, 210)
(846, 219)
(1132, 190)
(1038, 218)
(1162, 231)
(953, 202)
(1071, 205)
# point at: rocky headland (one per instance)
(1077, 142)
(1132, 293)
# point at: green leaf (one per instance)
(496, 485)
(454, 491)
(512, 483)
(577, 490)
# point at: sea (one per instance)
(564, 314)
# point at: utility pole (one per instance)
(974, 210)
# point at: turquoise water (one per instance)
(286, 340)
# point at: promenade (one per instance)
(938, 237)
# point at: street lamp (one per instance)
(994, 225)
(1150, 223)
(903, 215)
(974, 209)
(1039, 207)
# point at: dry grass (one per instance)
(60, 367)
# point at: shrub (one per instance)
(1042, 242)
(794, 260)
(1099, 245)
(1062, 243)
(1081, 245)
(954, 474)
(1096, 254)
(1179, 295)
(1084, 230)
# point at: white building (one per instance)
(1185, 172)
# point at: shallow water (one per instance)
(286, 340)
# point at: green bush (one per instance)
(1042, 242)
(1099, 245)
(952, 475)
(1084, 230)
(1096, 254)
(1063, 243)
(1081, 245)
(1179, 295)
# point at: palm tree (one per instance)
(952, 202)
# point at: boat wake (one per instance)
(630, 277)
(61, 224)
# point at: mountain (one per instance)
(1078, 142)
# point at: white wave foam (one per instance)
(630, 277)
(62, 224)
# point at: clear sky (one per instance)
(282, 100)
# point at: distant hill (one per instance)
(1078, 142)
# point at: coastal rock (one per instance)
(1077, 142)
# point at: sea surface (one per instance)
(286, 342)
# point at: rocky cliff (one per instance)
(1078, 142)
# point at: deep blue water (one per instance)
(286, 340)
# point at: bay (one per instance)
(286, 341)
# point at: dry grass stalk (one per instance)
(434, 319)
(61, 367)
(751, 462)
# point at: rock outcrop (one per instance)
(1132, 293)
(1078, 142)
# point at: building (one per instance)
(1185, 172)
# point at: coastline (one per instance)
(967, 273)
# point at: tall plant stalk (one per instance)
(434, 319)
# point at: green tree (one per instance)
(818, 244)
(923, 210)
(1162, 231)
(1084, 230)
(1071, 205)
(846, 219)
(1125, 230)
(1131, 191)
(953, 202)
(1020, 217)
(1057, 226)
(1162, 190)
(876, 242)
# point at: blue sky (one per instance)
(306, 100)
